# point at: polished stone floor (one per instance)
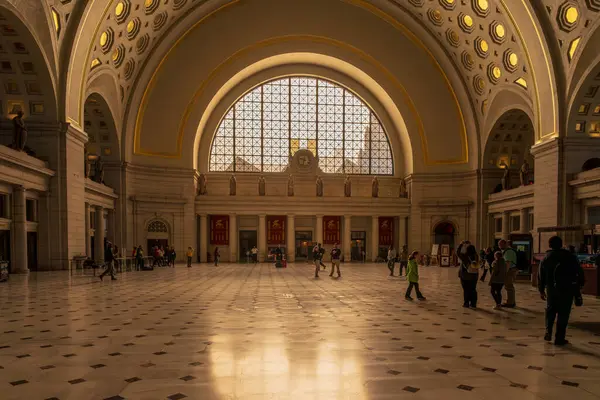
(254, 332)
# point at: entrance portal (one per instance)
(359, 245)
(304, 245)
(444, 234)
(248, 239)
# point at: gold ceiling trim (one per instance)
(84, 75)
(361, 3)
(532, 69)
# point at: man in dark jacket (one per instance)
(559, 281)
(109, 262)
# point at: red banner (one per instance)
(331, 230)
(276, 230)
(219, 230)
(386, 231)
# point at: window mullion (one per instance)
(317, 117)
(262, 128)
(234, 135)
(289, 118)
(344, 132)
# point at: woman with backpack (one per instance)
(468, 273)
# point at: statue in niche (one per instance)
(403, 190)
(99, 171)
(19, 132)
(261, 185)
(375, 187)
(348, 187)
(506, 178)
(202, 185)
(524, 173)
(290, 187)
(319, 186)
(232, 185)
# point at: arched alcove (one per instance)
(27, 84)
(509, 142)
(157, 234)
(102, 147)
(444, 232)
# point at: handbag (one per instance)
(473, 267)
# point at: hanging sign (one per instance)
(219, 230)
(331, 230)
(276, 230)
(386, 231)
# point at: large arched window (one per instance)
(270, 123)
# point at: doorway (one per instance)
(248, 239)
(32, 260)
(156, 242)
(5, 247)
(358, 245)
(444, 234)
(303, 244)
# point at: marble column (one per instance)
(319, 230)
(291, 238)
(374, 237)
(88, 241)
(402, 233)
(347, 240)
(110, 227)
(19, 258)
(99, 235)
(262, 237)
(505, 225)
(524, 221)
(203, 238)
(233, 238)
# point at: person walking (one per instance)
(497, 278)
(217, 256)
(403, 264)
(560, 279)
(412, 276)
(336, 253)
(316, 255)
(139, 257)
(189, 254)
(510, 256)
(391, 260)
(488, 259)
(254, 252)
(109, 258)
(173, 256)
(468, 273)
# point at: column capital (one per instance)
(348, 216)
(99, 208)
(319, 215)
(19, 188)
(262, 215)
(203, 215)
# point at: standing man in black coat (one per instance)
(560, 280)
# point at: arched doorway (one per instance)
(444, 233)
(157, 234)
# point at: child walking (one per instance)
(498, 275)
(412, 275)
(189, 254)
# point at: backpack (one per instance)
(522, 261)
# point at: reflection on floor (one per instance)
(254, 332)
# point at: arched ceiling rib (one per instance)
(475, 33)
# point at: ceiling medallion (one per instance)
(118, 55)
(122, 10)
(465, 22)
(133, 28)
(481, 47)
(567, 16)
(481, 7)
(106, 40)
(497, 32)
(467, 60)
(511, 60)
(593, 5)
(494, 73)
(150, 6)
(448, 4)
(435, 16)
(452, 37)
(478, 84)
(159, 21)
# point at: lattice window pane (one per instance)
(273, 121)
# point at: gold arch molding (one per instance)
(313, 39)
(363, 4)
(382, 14)
(275, 62)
